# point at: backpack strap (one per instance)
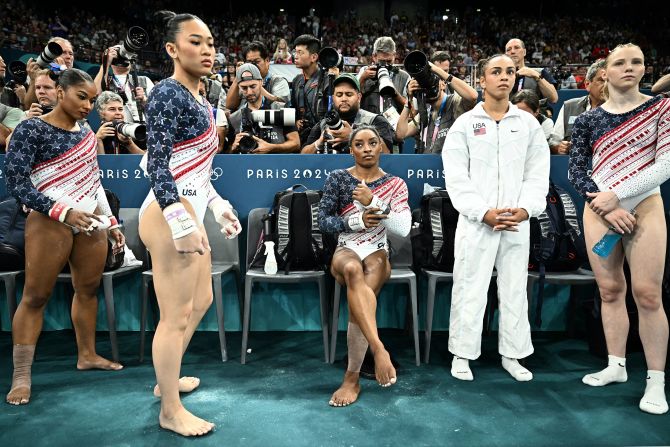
(540, 296)
(572, 226)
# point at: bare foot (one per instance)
(19, 395)
(348, 392)
(186, 385)
(384, 370)
(185, 423)
(97, 362)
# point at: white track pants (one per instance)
(477, 250)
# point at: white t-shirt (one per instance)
(130, 108)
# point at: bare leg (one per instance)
(645, 252)
(42, 269)
(201, 303)
(87, 262)
(175, 279)
(612, 286)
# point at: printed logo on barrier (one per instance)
(216, 174)
(295, 174)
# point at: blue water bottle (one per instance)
(604, 246)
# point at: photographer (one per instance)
(44, 86)
(121, 82)
(371, 80)
(332, 133)
(109, 106)
(65, 59)
(540, 81)
(10, 96)
(274, 89)
(442, 110)
(307, 86)
(266, 140)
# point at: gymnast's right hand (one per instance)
(185, 233)
(194, 242)
(81, 220)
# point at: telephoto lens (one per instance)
(333, 120)
(281, 118)
(137, 132)
(47, 56)
(329, 57)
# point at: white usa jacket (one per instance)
(496, 165)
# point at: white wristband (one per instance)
(180, 221)
(376, 202)
(355, 222)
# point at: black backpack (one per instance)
(113, 261)
(12, 235)
(433, 243)
(556, 240)
(293, 226)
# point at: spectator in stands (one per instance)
(541, 81)
(109, 106)
(274, 89)
(528, 101)
(383, 55)
(121, 82)
(559, 141)
(307, 92)
(282, 54)
(347, 103)
(442, 112)
(275, 139)
(361, 204)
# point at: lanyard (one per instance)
(436, 126)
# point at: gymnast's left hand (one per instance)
(119, 239)
(603, 202)
(230, 224)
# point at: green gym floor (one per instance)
(280, 398)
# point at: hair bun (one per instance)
(164, 16)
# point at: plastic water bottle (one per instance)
(270, 266)
(606, 244)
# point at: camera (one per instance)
(135, 131)
(46, 109)
(47, 56)
(329, 57)
(333, 120)
(136, 39)
(416, 64)
(254, 122)
(19, 73)
(384, 78)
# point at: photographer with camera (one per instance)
(115, 136)
(331, 134)
(58, 55)
(44, 86)
(308, 86)
(274, 89)
(540, 81)
(382, 83)
(133, 89)
(12, 93)
(273, 131)
(438, 109)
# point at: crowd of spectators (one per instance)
(552, 41)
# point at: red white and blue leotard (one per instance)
(49, 169)
(181, 144)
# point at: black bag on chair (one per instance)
(433, 244)
(293, 226)
(12, 235)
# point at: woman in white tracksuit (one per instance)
(496, 165)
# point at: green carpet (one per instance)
(279, 398)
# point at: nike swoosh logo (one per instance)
(623, 366)
(514, 131)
